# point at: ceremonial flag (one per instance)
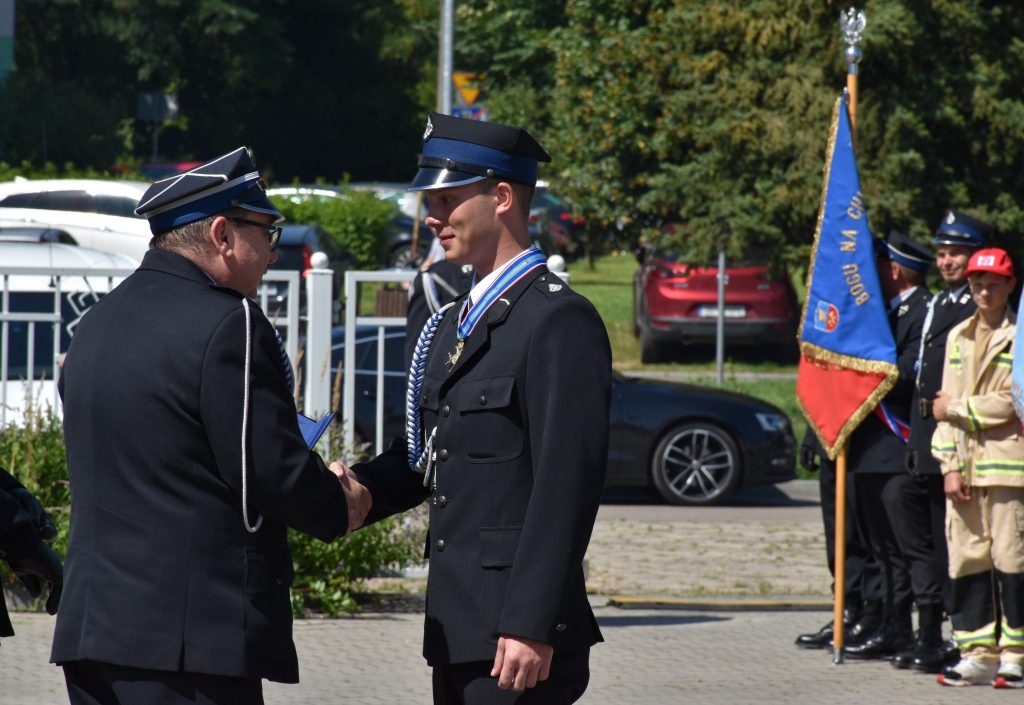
(847, 352)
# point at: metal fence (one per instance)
(41, 306)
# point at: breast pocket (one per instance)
(490, 424)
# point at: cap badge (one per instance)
(950, 218)
(427, 132)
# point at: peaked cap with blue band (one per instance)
(958, 228)
(457, 151)
(908, 252)
(229, 181)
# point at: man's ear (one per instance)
(505, 195)
(220, 236)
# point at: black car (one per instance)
(693, 444)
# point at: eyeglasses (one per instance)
(273, 231)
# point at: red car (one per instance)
(677, 302)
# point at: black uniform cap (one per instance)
(457, 151)
(908, 252)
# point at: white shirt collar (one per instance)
(481, 287)
(901, 297)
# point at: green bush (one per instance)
(357, 222)
(326, 575)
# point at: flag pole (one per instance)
(852, 24)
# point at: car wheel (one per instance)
(696, 463)
(651, 351)
(401, 257)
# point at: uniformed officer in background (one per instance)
(863, 583)
(878, 445)
(508, 422)
(437, 283)
(922, 504)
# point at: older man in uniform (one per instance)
(877, 445)
(509, 424)
(921, 512)
(187, 464)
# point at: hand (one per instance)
(43, 522)
(808, 458)
(940, 406)
(357, 496)
(955, 488)
(39, 566)
(520, 663)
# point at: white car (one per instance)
(45, 289)
(98, 214)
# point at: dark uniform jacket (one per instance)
(18, 536)
(160, 571)
(522, 446)
(874, 447)
(945, 315)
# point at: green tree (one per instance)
(715, 116)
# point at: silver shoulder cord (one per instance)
(245, 422)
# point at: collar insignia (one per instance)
(554, 287)
(903, 309)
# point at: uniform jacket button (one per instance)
(439, 545)
(445, 410)
(483, 400)
(442, 501)
(442, 455)
(560, 627)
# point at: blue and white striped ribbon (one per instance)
(518, 268)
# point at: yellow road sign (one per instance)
(468, 85)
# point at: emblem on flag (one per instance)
(827, 317)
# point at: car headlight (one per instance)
(772, 422)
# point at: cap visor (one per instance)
(429, 178)
(259, 203)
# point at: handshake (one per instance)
(356, 495)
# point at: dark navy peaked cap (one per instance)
(958, 228)
(229, 181)
(908, 252)
(457, 151)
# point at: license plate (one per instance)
(730, 311)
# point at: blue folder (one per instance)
(312, 430)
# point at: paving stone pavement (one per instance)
(650, 657)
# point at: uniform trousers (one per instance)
(862, 577)
(98, 683)
(876, 491)
(917, 511)
(472, 684)
(986, 563)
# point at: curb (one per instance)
(725, 604)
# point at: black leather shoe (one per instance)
(860, 632)
(882, 644)
(949, 655)
(816, 640)
(932, 658)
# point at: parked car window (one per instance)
(121, 206)
(19, 200)
(79, 201)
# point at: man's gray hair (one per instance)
(190, 236)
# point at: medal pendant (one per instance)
(453, 357)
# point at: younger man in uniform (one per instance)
(979, 447)
(508, 419)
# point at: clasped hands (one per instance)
(356, 495)
(40, 567)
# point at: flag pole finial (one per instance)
(852, 22)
